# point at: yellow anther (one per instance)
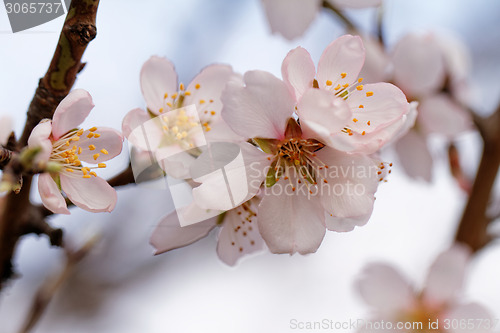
(69, 170)
(297, 162)
(181, 86)
(175, 129)
(212, 113)
(363, 133)
(93, 129)
(104, 151)
(361, 106)
(355, 120)
(202, 101)
(165, 127)
(161, 110)
(96, 156)
(169, 104)
(211, 101)
(329, 83)
(337, 87)
(208, 128)
(84, 171)
(187, 93)
(197, 86)
(345, 85)
(75, 138)
(90, 135)
(101, 165)
(91, 147)
(87, 176)
(369, 93)
(67, 161)
(360, 80)
(79, 133)
(93, 174)
(79, 150)
(174, 96)
(343, 75)
(67, 143)
(165, 96)
(368, 123)
(96, 135)
(360, 87)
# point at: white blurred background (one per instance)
(122, 288)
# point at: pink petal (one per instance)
(71, 112)
(169, 235)
(5, 129)
(239, 236)
(93, 194)
(472, 312)
(446, 276)
(210, 82)
(298, 71)
(344, 55)
(221, 132)
(352, 181)
(355, 3)
(290, 222)
(418, 65)
(385, 289)
(148, 134)
(51, 196)
(213, 193)
(290, 18)
(377, 62)
(439, 114)
(110, 139)
(322, 114)
(414, 155)
(259, 109)
(158, 77)
(174, 161)
(39, 137)
(132, 120)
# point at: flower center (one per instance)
(68, 149)
(205, 107)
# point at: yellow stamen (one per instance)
(361, 106)
(202, 101)
(355, 120)
(91, 147)
(87, 176)
(363, 133)
(343, 75)
(181, 86)
(369, 93)
(104, 151)
(360, 80)
(79, 133)
(337, 87)
(174, 96)
(161, 110)
(90, 135)
(187, 93)
(79, 150)
(96, 156)
(69, 170)
(197, 86)
(93, 129)
(93, 174)
(101, 165)
(368, 123)
(360, 87)
(75, 138)
(165, 96)
(345, 85)
(96, 135)
(212, 113)
(329, 83)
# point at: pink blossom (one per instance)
(394, 299)
(291, 18)
(422, 65)
(238, 233)
(63, 143)
(306, 160)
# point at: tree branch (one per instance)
(474, 224)
(347, 22)
(78, 30)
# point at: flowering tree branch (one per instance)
(474, 224)
(78, 30)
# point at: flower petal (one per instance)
(39, 137)
(259, 109)
(93, 194)
(414, 155)
(214, 193)
(290, 18)
(384, 288)
(133, 119)
(110, 140)
(51, 196)
(346, 224)
(298, 71)
(169, 235)
(446, 276)
(158, 77)
(439, 114)
(5, 129)
(206, 88)
(344, 55)
(471, 312)
(419, 67)
(321, 115)
(352, 181)
(71, 112)
(355, 3)
(289, 221)
(377, 61)
(239, 235)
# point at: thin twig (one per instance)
(347, 22)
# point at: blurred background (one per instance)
(122, 287)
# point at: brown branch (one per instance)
(78, 30)
(124, 178)
(473, 227)
(5, 156)
(347, 22)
